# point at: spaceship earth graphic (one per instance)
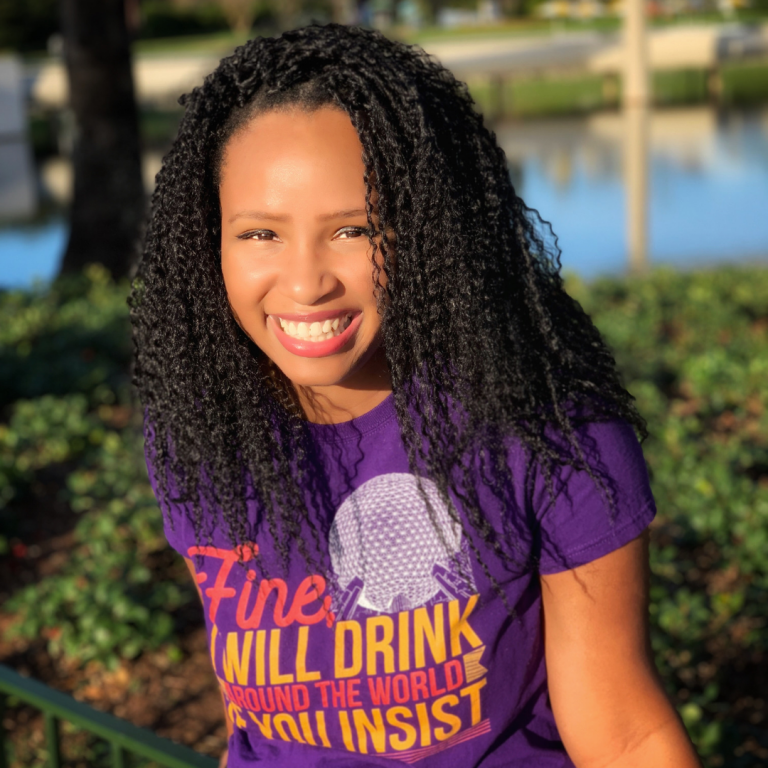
(383, 536)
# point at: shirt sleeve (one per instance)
(581, 518)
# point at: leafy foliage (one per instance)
(27, 25)
(68, 351)
(693, 349)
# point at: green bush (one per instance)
(694, 352)
(67, 352)
(160, 18)
(693, 349)
(72, 339)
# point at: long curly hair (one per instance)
(483, 344)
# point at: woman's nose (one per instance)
(306, 275)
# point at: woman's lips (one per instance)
(306, 348)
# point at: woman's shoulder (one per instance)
(596, 501)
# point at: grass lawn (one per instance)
(741, 84)
(221, 42)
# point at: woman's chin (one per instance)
(315, 372)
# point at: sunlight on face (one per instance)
(295, 253)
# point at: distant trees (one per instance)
(108, 201)
(26, 25)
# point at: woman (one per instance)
(395, 454)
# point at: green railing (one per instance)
(124, 737)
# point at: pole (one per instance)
(636, 98)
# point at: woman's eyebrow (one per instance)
(345, 214)
(259, 215)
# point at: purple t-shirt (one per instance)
(405, 652)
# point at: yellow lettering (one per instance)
(346, 731)
(432, 632)
(214, 635)
(236, 719)
(302, 675)
(382, 645)
(473, 691)
(263, 724)
(342, 629)
(306, 728)
(460, 625)
(407, 741)
(275, 678)
(235, 660)
(423, 717)
(376, 730)
(446, 717)
(261, 642)
(292, 727)
(404, 641)
(321, 730)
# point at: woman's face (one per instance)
(295, 253)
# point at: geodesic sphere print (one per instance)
(383, 535)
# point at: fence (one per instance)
(124, 738)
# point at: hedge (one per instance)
(693, 348)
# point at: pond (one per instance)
(708, 192)
(708, 186)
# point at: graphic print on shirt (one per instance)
(386, 661)
(390, 555)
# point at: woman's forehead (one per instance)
(282, 156)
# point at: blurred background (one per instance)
(639, 129)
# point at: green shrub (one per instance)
(67, 352)
(104, 604)
(72, 338)
(693, 349)
(163, 19)
(694, 352)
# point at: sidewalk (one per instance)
(161, 79)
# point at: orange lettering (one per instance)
(266, 587)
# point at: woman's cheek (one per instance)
(244, 279)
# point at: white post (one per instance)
(636, 93)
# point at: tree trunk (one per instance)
(108, 201)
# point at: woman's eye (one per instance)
(348, 233)
(260, 235)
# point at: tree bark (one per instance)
(108, 203)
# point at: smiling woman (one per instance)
(389, 445)
(296, 256)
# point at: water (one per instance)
(708, 195)
(708, 200)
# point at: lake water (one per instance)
(708, 192)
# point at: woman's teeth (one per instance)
(316, 331)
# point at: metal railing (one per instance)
(123, 737)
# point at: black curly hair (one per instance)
(482, 342)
